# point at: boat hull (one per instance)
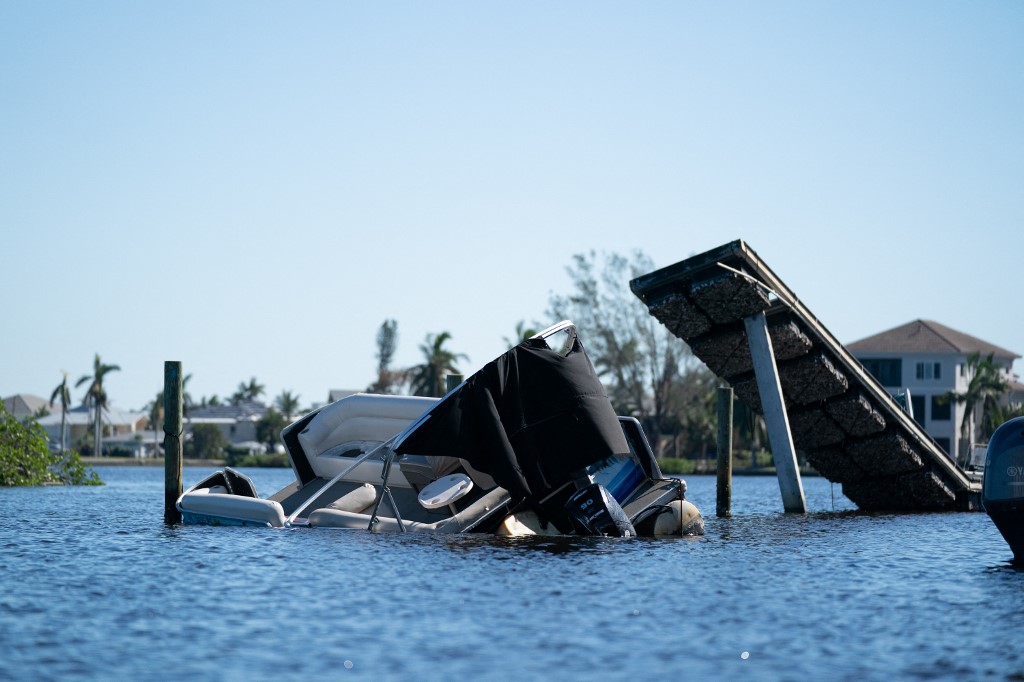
(1003, 486)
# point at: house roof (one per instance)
(926, 336)
(24, 404)
(243, 411)
(83, 415)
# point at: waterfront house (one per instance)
(23, 405)
(236, 421)
(928, 360)
(116, 424)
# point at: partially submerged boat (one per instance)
(1002, 490)
(530, 444)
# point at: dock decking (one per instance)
(846, 424)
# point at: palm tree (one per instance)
(63, 393)
(522, 333)
(96, 397)
(986, 387)
(156, 417)
(288, 404)
(428, 379)
(248, 392)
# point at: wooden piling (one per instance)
(172, 439)
(451, 381)
(723, 504)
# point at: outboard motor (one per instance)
(594, 511)
(1002, 493)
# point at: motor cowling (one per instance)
(1003, 487)
(594, 511)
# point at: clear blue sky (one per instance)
(253, 187)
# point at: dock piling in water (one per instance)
(172, 439)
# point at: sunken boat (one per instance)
(528, 445)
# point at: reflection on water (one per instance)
(97, 587)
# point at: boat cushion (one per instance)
(355, 500)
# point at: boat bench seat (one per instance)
(238, 507)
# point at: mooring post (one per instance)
(172, 439)
(775, 417)
(451, 381)
(723, 506)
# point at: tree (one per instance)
(96, 397)
(642, 363)
(985, 390)
(387, 342)
(288, 404)
(63, 394)
(522, 333)
(248, 392)
(428, 379)
(25, 457)
(268, 429)
(156, 418)
(207, 442)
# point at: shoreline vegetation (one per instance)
(670, 466)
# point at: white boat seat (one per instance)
(355, 500)
(238, 507)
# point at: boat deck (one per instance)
(846, 424)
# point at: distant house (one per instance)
(929, 360)
(237, 422)
(116, 423)
(24, 405)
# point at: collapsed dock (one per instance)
(849, 428)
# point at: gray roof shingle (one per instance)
(926, 336)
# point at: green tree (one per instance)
(288, 404)
(155, 414)
(96, 398)
(985, 391)
(428, 379)
(642, 364)
(207, 441)
(248, 392)
(26, 459)
(62, 394)
(522, 332)
(388, 380)
(268, 429)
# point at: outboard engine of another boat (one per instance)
(594, 511)
(1002, 493)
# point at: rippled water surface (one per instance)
(95, 586)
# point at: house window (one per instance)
(943, 443)
(889, 372)
(928, 371)
(941, 408)
(918, 402)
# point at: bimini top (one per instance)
(530, 418)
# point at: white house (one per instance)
(116, 423)
(929, 360)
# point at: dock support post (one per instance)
(723, 501)
(172, 440)
(775, 417)
(451, 381)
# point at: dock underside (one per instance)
(844, 422)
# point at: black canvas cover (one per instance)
(530, 419)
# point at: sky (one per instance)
(252, 188)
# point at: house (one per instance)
(236, 421)
(929, 360)
(23, 405)
(79, 426)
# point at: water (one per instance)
(94, 586)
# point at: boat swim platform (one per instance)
(849, 428)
